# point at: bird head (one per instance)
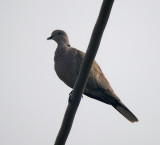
(59, 36)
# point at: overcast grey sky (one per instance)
(32, 98)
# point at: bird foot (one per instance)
(70, 97)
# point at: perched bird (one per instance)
(68, 61)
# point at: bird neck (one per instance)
(62, 48)
(63, 41)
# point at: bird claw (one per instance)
(70, 97)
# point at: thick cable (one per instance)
(84, 72)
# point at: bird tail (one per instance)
(118, 105)
(121, 108)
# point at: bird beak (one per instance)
(50, 38)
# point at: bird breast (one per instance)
(65, 67)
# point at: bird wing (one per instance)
(97, 86)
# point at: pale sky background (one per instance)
(32, 98)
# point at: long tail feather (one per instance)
(121, 108)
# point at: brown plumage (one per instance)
(67, 65)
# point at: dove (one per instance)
(68, 61)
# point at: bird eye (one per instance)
(59, 33)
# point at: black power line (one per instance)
(84, 72)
